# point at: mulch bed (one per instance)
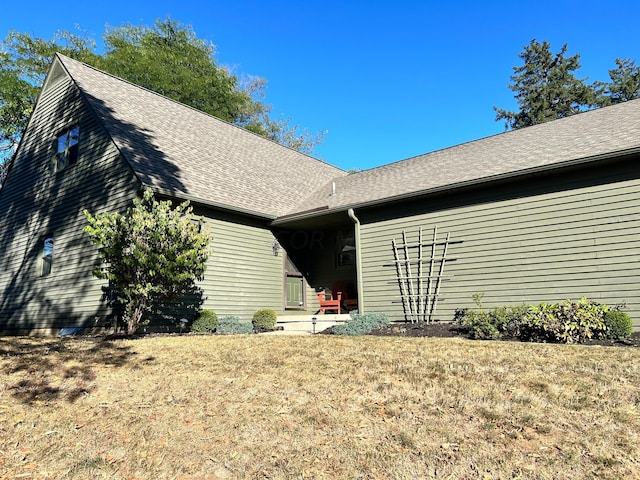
(447, 330)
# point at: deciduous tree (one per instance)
(152, 253)
(23, 65)
(167, 58)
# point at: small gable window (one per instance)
(47, 255)
(67, 148)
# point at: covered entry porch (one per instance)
(320, 258)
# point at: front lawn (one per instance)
(255, 406)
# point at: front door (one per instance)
(293, 286)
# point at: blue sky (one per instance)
(387, 80)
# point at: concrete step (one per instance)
(307, 324)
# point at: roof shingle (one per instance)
(179, 150)
(586, 135)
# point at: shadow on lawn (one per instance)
(40, 369)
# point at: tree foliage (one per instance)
(24, 62)
(545, 87)
(152, 253)
(167, 58)
(624, 84)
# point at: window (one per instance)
(47, 256)
(67, 148)
(345, 249)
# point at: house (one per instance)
(539, 214)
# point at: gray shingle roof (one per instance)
(179, 150)
(586, 135)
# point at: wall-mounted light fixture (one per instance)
(275, 248)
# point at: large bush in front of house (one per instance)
(565, 322)
(205, 322)
(153, 252)
(264, 320)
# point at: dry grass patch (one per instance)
(316, 407)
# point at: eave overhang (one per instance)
(453, 187)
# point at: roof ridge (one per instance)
(500, 134)
(189, 153)
(63, 58)
(594, 135)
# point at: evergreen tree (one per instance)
(545, 87)
(624, 84)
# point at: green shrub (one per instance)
(361, 324)
(477, 321)
(564, 322)
(619, 324)
(492, 324)
(540, 323)
(480, 325)
(488, 325)
(508, 318)
(231, 324)
(264, 320)
(205, 322)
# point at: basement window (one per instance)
(67, 148)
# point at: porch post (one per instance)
(356, 222)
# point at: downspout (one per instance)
(356, 222)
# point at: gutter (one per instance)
(208, 203)
(356, 222)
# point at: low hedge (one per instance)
(205, 322)
(231, 324)
(562, 322)
(619, 324)
(264, 320)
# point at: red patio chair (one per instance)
(329, 303)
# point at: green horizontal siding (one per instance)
(559, 244)
(243, 275)
(35, 202)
